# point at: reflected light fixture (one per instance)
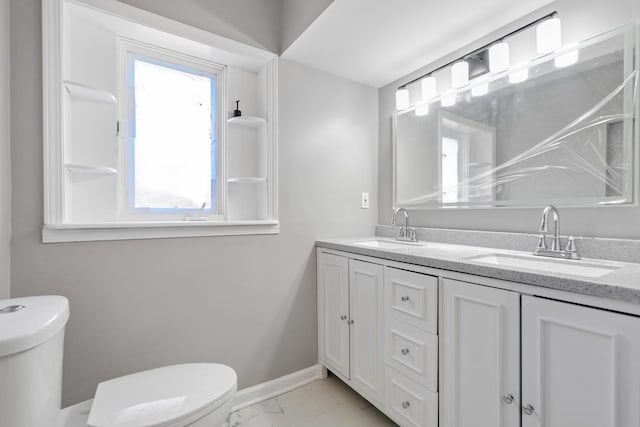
(448, 100)
(568, 57)
(422, 110)
(519, 76)
(460, 74)
(499, 57)
(429, 88)
(549, 35)
(402, 99)
(479, 90)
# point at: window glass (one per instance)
(173, 142)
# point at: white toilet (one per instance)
(31, 347)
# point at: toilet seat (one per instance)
(172, 396)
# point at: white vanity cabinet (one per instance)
(575, 365)
(350, 322)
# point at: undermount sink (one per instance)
(386, 244)
(531, 262)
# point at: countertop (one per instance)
(622, 283)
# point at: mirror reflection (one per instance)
(559, 130)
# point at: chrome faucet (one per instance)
(406, 233)
(570, 251)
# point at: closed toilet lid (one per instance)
(162, 397)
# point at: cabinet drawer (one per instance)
(412, 352)
(408, 403)
(412, 298)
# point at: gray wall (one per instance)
(580, 19)
(5, 154)
(250, 301)
(297, 16)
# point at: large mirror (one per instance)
(565, 135)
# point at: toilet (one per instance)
(31, 348)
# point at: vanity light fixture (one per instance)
(519, 76)
(499, 57)
(479, 90)
(422, 110)
(429, 88)
(402, 98)
(460, 74)
(568, 57)
(474, 64)
(549, 35)
(448, 100)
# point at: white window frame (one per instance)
(55, 229)
(136, 48)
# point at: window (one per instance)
(172, 146)
(138, 138)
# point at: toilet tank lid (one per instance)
(28, 322)
(173, 395)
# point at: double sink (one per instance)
(501, 259)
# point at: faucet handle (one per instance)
(571, 245)
(542, 242)
(411, 234)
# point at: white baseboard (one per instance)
(261, 392)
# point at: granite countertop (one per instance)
(621, 283)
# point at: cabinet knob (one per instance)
(404, 351)
(528, 410)
(508, 399)
(343, 317)
(406, 404)
(405, 298)
(350, 321)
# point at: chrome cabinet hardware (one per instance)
(528, 410)
(343, 317)
(404, 298)
(404, 351)
(350, 321)
(508, 399)
(406, 404)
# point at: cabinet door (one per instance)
(480, 357)
(333, 311)
(580, 366)
(367, 335)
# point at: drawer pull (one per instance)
(343, 317)
(528, 410)
(350, 321)
(405, 298)
(404, 351)
(405, 404)
(508, 399)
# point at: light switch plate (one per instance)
(365, 201)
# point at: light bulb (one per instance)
(567, 58)
(549, 35)
(499, 57)
(402, 99)
(479, 90)
(460, 74)
(429, 88)
(422, 110)
(448, 100)
(519, 76)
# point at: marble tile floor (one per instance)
(323, 403)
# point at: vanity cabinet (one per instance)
(575, 365)
(350, 296)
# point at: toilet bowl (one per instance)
(31, 348)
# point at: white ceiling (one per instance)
(376, 42)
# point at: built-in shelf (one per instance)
(78, 90)
(247, 180)
(247, 121)
(90, 170)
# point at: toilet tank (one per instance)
(31, 347)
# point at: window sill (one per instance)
(59, 233)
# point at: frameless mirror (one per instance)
(560, 130)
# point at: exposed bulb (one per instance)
(422, 110)
(519, 76)
(429, 88)
(448, 100)
(460, 74)
(499, 57)
(549, 35)
(479, 90)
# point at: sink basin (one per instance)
(387, 244)
(531, 262)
